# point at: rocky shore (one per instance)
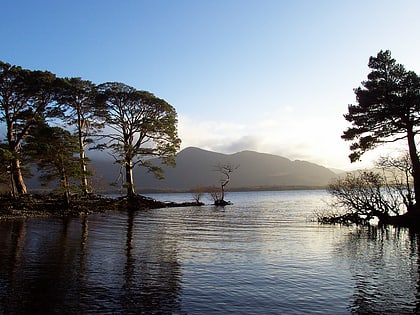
(45, 205)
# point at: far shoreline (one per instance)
(233, 189)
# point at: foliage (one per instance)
(25, 98)
(142, 126)
(79, 98)
(139, 126)
(54, 149)
(387, 110)
(5, 159)
(388, 106)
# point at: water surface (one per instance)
(262, 254)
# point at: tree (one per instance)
(215, 195)
(398, 173)
(141, 126)
(387, 110)
(384, 194)
(85, 114)
(6, 158)
(54, 149)
(197, 193)
(225, 170)
(25, 98)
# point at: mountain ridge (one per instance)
(195, 167)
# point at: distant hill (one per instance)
(195, 167)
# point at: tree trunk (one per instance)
(20, 187)
(66, 192)
(129, 177)
(416, 166)
(84, 180)
(223, 191)
(66, 186)
(12, 182)
(82, 155)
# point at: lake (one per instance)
(262, 254)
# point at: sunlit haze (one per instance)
(269, 76)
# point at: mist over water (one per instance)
(262, 254)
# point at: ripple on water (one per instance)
(260, 255)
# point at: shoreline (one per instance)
(40, 205)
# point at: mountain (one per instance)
(195, 167)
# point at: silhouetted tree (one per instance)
(25, 98)
(225, 170)
(54, 149)
(84, 113)
(387, 110)
(384, 194)
(6, 158)
(215, 194)
(197, 193)
(142, 126)
(398, 173)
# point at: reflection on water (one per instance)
(384, 263)
(56, 266)
(260, 255)
(151, 271)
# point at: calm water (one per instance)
(260, 255)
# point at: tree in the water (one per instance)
(387, 110)
(225, 170)
(140, 126)
(25, 98)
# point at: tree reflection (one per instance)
(85, 264)
(415, 244)
(130, 264)
(385, 270)
(12, 238)
(83, 253)
(43, 266)
(53, 284)
(152, 271)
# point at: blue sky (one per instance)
(266, 75)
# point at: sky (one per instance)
(272, 76)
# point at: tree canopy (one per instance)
(54, 149)
(35, 105)
(141, 126)
(82, 111)
(25, 98)
(387, 110)
(387, 106)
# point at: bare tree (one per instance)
(215, 194)
(398, 172)
(197, 193)
(225, 170)
(385, 194)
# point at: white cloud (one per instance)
(286, 131)
(312, 139)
